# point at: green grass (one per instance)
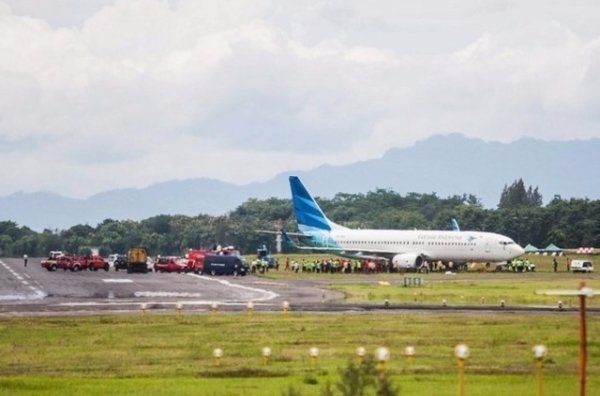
(409, 384)
(476, 289)
(470, 288)
(160, 354)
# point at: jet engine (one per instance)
(406, 261)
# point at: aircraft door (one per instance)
(488, 247)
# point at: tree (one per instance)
(520, 215)
(517, 196)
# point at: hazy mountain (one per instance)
(446, 165)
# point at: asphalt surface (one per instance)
(34, 290)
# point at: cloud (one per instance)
(104, 94)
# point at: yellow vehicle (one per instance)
(136, 260)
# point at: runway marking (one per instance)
(37, 293)
(166, 294)
(266, 283)
(267, 294)
(117, 281)
(125, 303)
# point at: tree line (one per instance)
(568, 223)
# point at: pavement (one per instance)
(35, 290)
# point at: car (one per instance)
(94, 263)
(70, 263)
(50, 264)
(112, 258)
(582, 266)
(268, 260)
(170, 264)
(225, 264)
(120, 262)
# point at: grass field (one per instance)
(165, 354)
(472, 290)
(466, 288)
(160, 354)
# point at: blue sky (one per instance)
(96, 95)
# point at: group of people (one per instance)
(262, 265)
(555, 264)
(333, 265)
(520, 265)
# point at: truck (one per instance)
(94, 263)
(264, 255)
(171, 264)
(224, 264)
(51, 262)
(137, 258)
(582, 266)
(195, 258)
(71, 263)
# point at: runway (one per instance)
(33, 290)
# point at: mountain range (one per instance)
(444, 164)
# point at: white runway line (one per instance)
(266, 294)
(117, 280)
(166, 294)
(37, 293)
(137, 302)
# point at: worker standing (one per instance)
(555, 264)
(25, 260)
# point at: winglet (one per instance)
(454, 225)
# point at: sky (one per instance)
(104, 94)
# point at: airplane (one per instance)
(407, 249)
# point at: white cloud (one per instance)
(103, 94)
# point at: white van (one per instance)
(582, 266)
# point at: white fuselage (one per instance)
(457, 246)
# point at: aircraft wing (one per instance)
(332, 250)
(299, 234)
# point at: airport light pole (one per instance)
(382, 354)
(217, 354)
(360, 353)
(409, 352)
(461, 351)
(583, 292)
(266, 354)
(539, 352)
(313, 352)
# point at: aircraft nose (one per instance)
(519, 250)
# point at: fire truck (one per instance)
(195, 260)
